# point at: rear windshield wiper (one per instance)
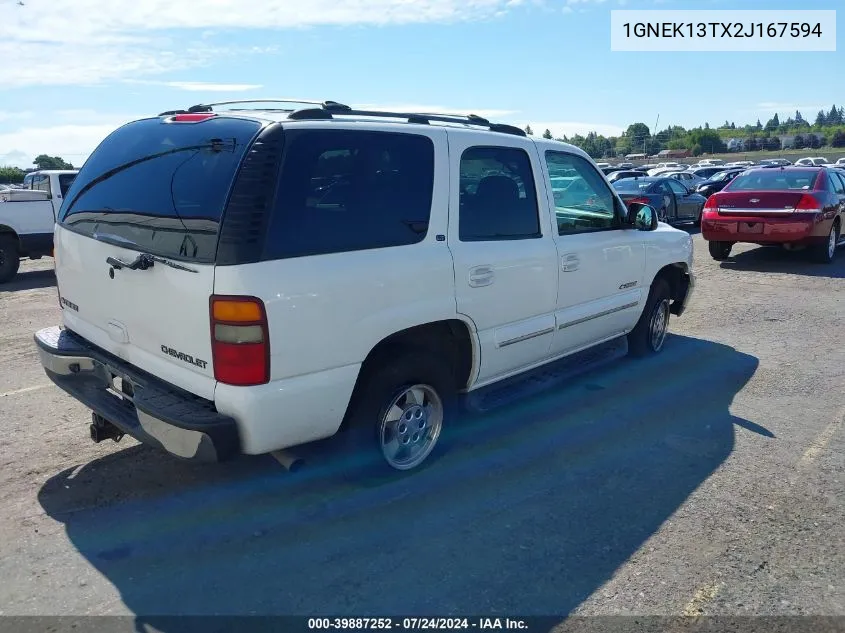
(145, 261)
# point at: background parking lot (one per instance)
(710, 479)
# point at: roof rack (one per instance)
(327, 110)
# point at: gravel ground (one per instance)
(709, 480)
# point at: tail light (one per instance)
(192, 117)
(639, 201)
(240, 341)
(808, 202)
(711, 204)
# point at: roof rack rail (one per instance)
(329, 109)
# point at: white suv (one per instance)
(243, 281)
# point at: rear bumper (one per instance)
(762, 230)
(156, 413)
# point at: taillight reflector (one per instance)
(240, 342)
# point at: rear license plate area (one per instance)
(750, 227)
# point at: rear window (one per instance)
(631, 184)
(159, 187)
(773, 180)
(65, 181)
(351, 190)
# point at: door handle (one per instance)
(481, 276)
(569, 262)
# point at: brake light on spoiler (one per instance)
(240, 341)
(191, 117)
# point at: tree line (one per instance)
(827, 130)
(15, 175)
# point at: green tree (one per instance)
(709, 140)
(528, 130)
(813, 141)
(821, 119)
(834, 117)
(547, 134)
(42, 161)
(637, 135)
(773, 123)
(11, 175)
(798, 142)
(838, 139)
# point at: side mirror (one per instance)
(642, 216)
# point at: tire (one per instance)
(419, 384)
(719, 251)
(649, 334)
(825, 253)
(9, 258)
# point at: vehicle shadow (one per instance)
(30, 280)
(532, 509)
(771, 259)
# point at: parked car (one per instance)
(665, 168)
(717, 181)
(706, 172)
(711, 162)
(795, 207)
(687, 178)
(675, 203)
(213, 303)
(626, 165)
(28, 216)
(630, 173)
(776, 162)
(812, 162)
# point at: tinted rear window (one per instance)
(351, 190)
(774, 180)
(159, 187)
(631, 184)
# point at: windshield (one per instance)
(159, 187)
(773, 180)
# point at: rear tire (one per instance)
(398, 416)
(649, 334)
(825, 253)
(9, 258)
(720, 251)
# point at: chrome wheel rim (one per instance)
(410, 427)
(659, 325)
(831, 242)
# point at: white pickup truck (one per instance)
(27, 217)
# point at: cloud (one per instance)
(87, 42)
(73, 137)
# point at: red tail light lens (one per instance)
(808, 202)
(639, 201)
(240, 341)
(192, 117)
(711, 204)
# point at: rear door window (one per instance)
(350, 190)
(160, 187)
(501, 201)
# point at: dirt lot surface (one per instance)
(708, 480)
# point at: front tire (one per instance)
(9, 258)
(719, 251)
(825, 253)
(400, 410)
(649, 334)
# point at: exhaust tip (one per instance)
(289, 461)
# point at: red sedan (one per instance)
(796, 207)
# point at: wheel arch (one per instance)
(677, 275)
(454, 338)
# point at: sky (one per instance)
(75, 70)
